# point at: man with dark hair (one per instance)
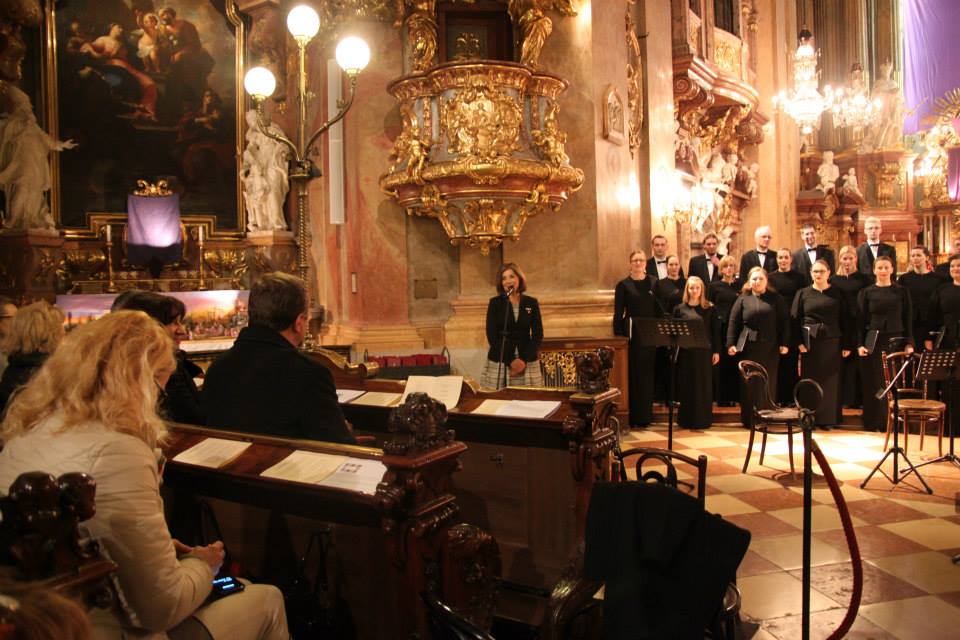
(263, 384)
(707, 266)
(804, 257)
(657, 263)
(943, 269)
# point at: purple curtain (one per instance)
(953, 173)
(153, 229)
(930, 51)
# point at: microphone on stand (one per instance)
(508, 292)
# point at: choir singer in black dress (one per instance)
(669, 293)
(821, 312)
(723, 294)
(921, 282)
(945, 314)
(695, 366)
(850, 281)
(758, 323)
(886, 317)
(633, 298)
(787, 282)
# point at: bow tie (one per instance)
(661, 262)
(875, 246)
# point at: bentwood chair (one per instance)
(915, 405)
(767, 417)
(447, 624)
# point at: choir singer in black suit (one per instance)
(707, 266)
(943, 269)
(850, 281)
(758, 323)
(657, 264)
(723, 293)
(826, 338)
(810, 252)
(762, 256)
(633, 298)
(695, 366)
(874, 248)
(886, 316)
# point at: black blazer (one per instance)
(865, 257)
(750, 260)
(802, 264)
(698, 267)
(524, 334)
(181, 398)
(652, 268)
(20, 368)
(264, 385)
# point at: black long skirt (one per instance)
(726, 390)
(695, 389)
(852, 388)
(787, 376)
(642, 360)
(823, 363)
(871, 375)
(766, 354)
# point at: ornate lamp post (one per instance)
(353, 54)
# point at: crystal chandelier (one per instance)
(853, 107)
(804, 103)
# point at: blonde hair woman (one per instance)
(92, 408)
(849, 281)
(695, 366)
(34, 333)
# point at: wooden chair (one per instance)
(767, 417)
(914, 403)
(447, 624)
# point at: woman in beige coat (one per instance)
(92, 408)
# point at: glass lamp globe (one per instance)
(303, 22)
(259, 83)
(353, 54)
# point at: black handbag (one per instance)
(316, 608)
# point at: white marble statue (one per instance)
(729, 172)
(265, 177)
(24, 168)
(751, 179)
(828, 173)
(887, 133)
(851, 187)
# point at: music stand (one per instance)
(896, 450)
(672, 333)
(941, 365)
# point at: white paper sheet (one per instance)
(346, 395)
(305, 466)
(212, 452)
(446, 389)
(528, 408)
(357, 474)
(490, 407)
(377, 399)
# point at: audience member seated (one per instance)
(7, 309)
(91, 408)
(263, 384)
(34, 334)
(40, 614)
(180, 401)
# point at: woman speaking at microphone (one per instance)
(886, 314)
(821, 312)
(514, 333)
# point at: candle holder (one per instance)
(202, 285)
(108, 239)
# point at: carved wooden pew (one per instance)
(411, 522)
(527, 481)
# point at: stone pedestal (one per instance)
(29, 261)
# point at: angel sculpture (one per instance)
(530, 17)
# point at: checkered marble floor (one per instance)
(907, 538)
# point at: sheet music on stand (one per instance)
(937, 365)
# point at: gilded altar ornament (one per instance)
(550, 140)
(613, 119)
(634, 82)
(530, 18)
(420, 19)
(152, 190)
(481, 121)
(467, 47)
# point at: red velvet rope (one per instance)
(852, 545)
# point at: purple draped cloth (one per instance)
(930, 52)
(953, 173)
(153, 229)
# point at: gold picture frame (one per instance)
(614, 118)
(73, 38)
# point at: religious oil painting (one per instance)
(147, 90)
(210, 314)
